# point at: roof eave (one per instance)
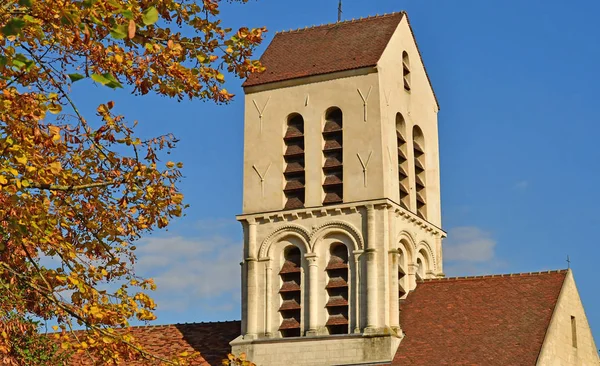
(308, 79)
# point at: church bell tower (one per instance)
(341, 206)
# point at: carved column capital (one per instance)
(311, 258)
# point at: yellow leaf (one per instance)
(3, 180)
(55, 167)
(170, 164)
(119, 58)
(55, 327)
(54, 108)
(22, 159)
(55, 132)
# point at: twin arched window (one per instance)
(294, 171)
(337, 289)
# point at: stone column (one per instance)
(268, 298)
(313, 294)
(251, 282)
(371, 254)
(393, 260)
(394, 299)
(412, 276)
(357, 284)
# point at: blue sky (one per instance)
(517, 83)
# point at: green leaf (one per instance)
(150, 16)
(26, 3)
(3, 60)
(74, 77)
(100, 79)
(13, 27)
(128, 14)
(119, 32)
(88, 3)
(107, 80)
(20, 62)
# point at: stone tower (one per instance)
(341, 207)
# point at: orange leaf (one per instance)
(131, 29)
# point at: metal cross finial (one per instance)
(340, 11)
(568, 262)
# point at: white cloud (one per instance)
(468, 250)
(193, 272)
(469, 244)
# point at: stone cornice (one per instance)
(344, 208)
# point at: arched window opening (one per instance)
(402, 286)
(337, 290)
(294, 162)
(291, 293)
(401, 147)
(333, 184)
(406, 70)
(419, 155)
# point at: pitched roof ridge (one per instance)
(353, 20)
(154, 326)
(519, 274)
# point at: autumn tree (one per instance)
(75, 192)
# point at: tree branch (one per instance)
(58, 187)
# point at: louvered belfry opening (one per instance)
(290, 292)
(401, 147)
(419, 153)
(406, 70)
(337, 290)
(401, 280)
(333, 185)
(294, 162)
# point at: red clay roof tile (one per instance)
(210, 339)
(485, 320)
(325, 49)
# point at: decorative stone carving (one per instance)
(365, 100)
(262, 176)
(427, 247)
(365, 165)
(346, 228)
(290, 229)
(261, 111)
